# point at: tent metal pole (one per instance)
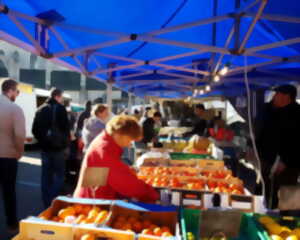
(65, 45)
(273, 45)
(109, 95)
(22, 15)
(91, 47)
(268, 63)
(251, 28)
(232, 31)
(237, 25)
(107, 70)
(201, 47)
(27, 34)
(96, 61)
(260, 55)
(117, 57)
(169, 67)
(275, 17)
(188, 54)
(177, 75)
(135, 75)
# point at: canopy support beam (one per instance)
(275, 17)
(251, 28)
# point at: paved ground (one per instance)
(28, 191)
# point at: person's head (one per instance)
(157, 117)
(88, 106)
(10, 89)
(101, 111)
(124, 130)
(199, 110)
(284, 95)
(57, 95)
(136, 112)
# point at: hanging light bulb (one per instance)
(207, 88)
(201, 92)
(216, 78)
(195, 93)
(224, 70)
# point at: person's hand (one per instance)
(280, 168)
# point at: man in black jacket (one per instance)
(149, 127)
(51, 128)
(200, 124)
(82, 117)
(278, 132)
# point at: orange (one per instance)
(137, 227)
(165, 229)
(69, 211)
(118, 225)
(86, 209)
(146, 224)
(121, 219)
(157, 231)
(132, 220)
(147, 231)
(127, 226)
(152, 227)
(101, 217)
(55, 219)
(87, 236)
(80, 218)
(44, 218)
(166, 234)
(78, 208)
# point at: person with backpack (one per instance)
(51, 128)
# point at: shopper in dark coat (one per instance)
(82, 117)
(52, 130)
(149, 127)
(278, 132)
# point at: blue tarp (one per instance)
(79, 23)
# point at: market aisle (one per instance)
(28, 190)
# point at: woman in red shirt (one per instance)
(105, 151)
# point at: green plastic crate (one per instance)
(190, 221)
(187, 156)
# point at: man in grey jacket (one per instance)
(12, 135)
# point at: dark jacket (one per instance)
(148, 130)
(82, 117)
(277, 133)
(43, 122)
(200, 127)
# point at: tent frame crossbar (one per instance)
(91, 52)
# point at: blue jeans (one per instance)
(53, 174)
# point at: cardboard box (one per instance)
(36, 228)
(211, 164)
(105, 233)
(169, 219)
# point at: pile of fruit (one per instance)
(218, 181)
(80, 214)
(138, 225)
(278, 232)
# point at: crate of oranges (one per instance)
(146, 224)
(77, 211)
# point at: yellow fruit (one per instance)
(69, 211)
(276, 237)
(87, 236)
(296, 232)
(265, 220)
(79, 219)
(101, 217)
(292, 237)
(157, 231)
(166, 234)
(274, 228)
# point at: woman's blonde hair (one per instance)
(125, 125)
(99, 108)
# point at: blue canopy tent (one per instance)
(164, 48)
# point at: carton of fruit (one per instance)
(279, 228)
(92, 233)
(211, 164)
(146, 224)
(36, 228)
(77, 211)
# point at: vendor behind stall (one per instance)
(150, 127)
(105, 151)
(200, 124)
